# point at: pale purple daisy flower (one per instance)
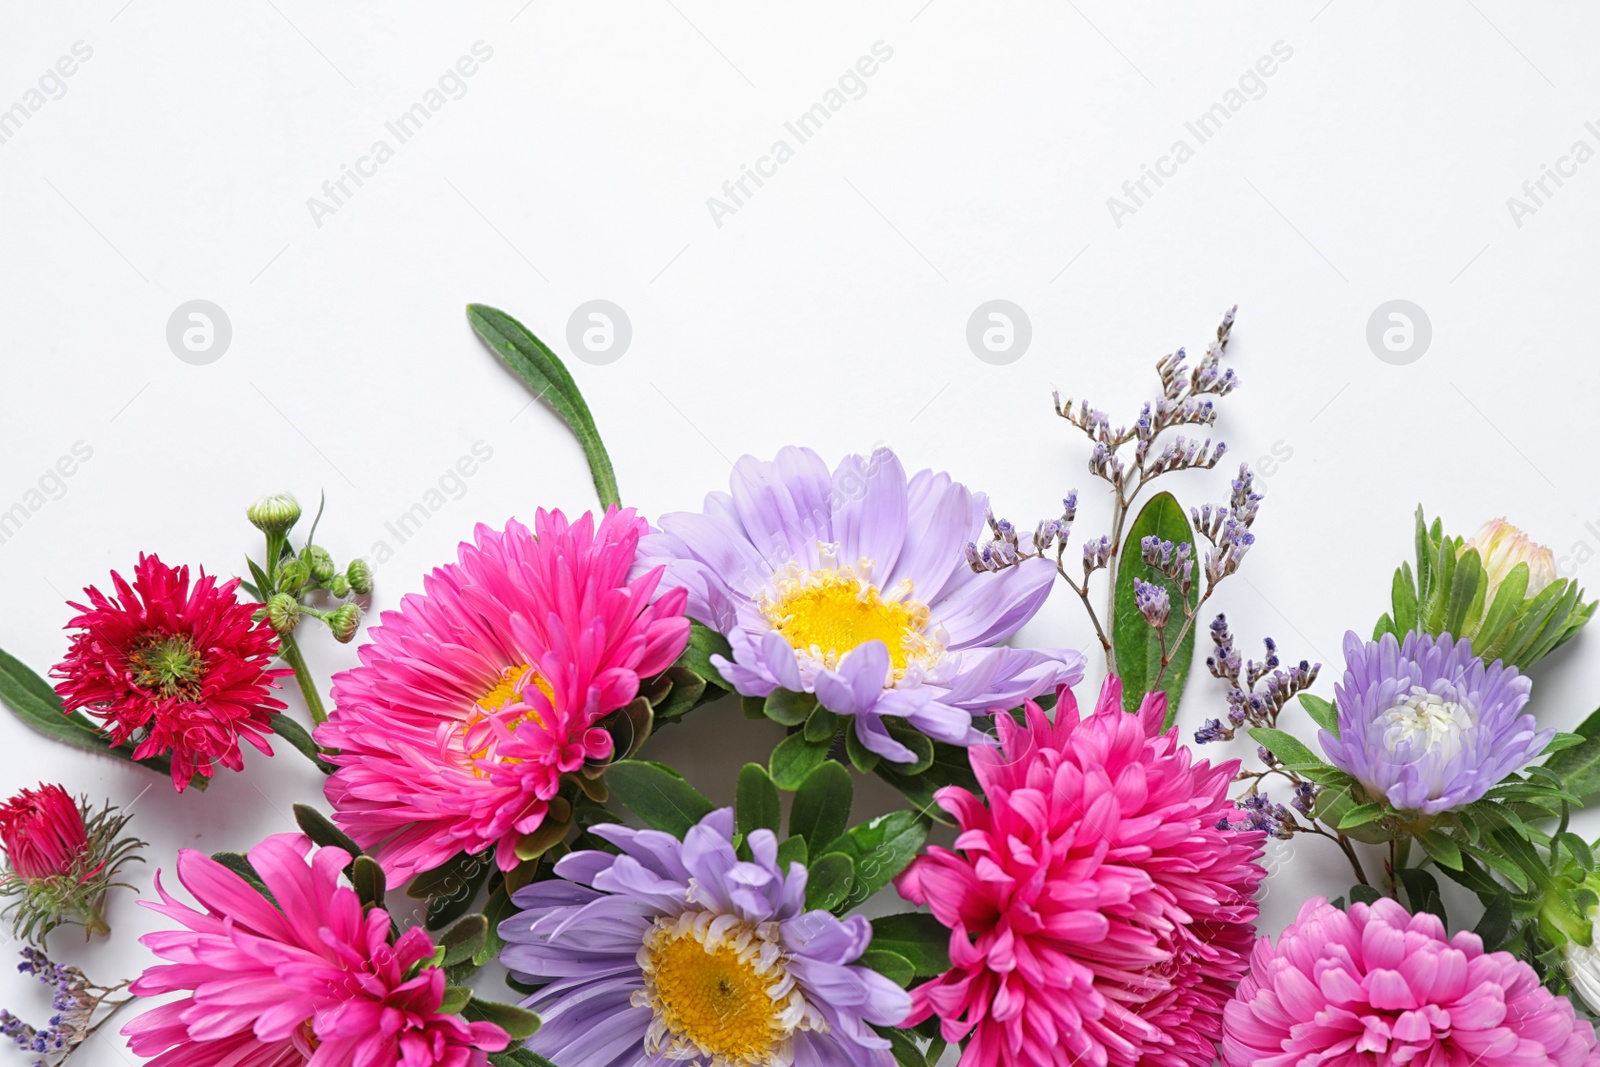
(853, 585)
(1427, 725)
(678, 952)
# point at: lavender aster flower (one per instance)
(852, 585)
(676, 951)
(1427, 725)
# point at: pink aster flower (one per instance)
(315, 982)
(1378, 987)
(1098, 914)
(475, 697)
(180, 669)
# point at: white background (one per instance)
(829, 309)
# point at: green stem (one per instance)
(302, 674)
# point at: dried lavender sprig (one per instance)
(1258, 691)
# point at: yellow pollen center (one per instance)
(721, 992)
(835, 611)
(480, 737)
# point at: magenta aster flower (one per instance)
(179, 669)
(312, 980)
(1098, 914)
(1426, 725)
(853, 586)
(678, 951)
(44, 833)
(475, 697)
(1377, 987)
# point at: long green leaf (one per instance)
(1135, 643)
(821, 808)
(547, 376)
(32, 700)
(658, 795)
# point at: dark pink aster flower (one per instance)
(1098, 914)
(1379, 987)
(180, 669)
(312, 980)
(43, 833)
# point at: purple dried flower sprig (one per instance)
(80, 1007)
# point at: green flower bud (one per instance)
(274, 514)
(340, 586)
(293, 574)
(344, 622)
(359, 574)
(321, 564)
(283, 612)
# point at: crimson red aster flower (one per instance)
(178, 669)
(43, 832)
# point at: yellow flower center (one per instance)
(479, 737)
(721, 992)
(830, 611)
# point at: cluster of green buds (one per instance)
(295, 584)
(1497, 589)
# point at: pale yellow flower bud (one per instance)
(1502, 546)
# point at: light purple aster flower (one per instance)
(852, 585)
(1427, 725)
(677, 952)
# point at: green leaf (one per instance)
(1507, 600)
(757, 805)
(881, 849)
(915, 936)
(239, 865)
(788, 708)
(687, 693)
(1404, 598)
(920, 744)
(446, 879)
(292, 732)
(445, 908)
(32, 700)
(830, 878)
(1441, 848)
(862, 758)
(1360, 815)
(456, 997)
(317, 826)
(518, 1057)
(497, 910)
(369, 882)
(795, 758)
(533, 361)
(463, 939)
(1291, 752)
(1322, 712)
(704, 642)
(1465, 591)
(821, 808)
(891, 965)
(821, 725)
(1136, 643)
(1364, 894)
(1578, 847)
(1579, 765)
(1495, 925)
(903, 1048)
(1561, 741)
(518, 1022)
(791, 850)
(1422, 891)
(658, 795)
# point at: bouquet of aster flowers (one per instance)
(1094, 900)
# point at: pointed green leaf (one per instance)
(33, 701)
(1404, 597)
(1322, 712)
(1289, 750)
(658, 795)
(916, 936)
(1137, 644)
(891, 965)
(316, 826)
(533, 361)
(520, 1023)
(292, 732)
(881, 849)
(1441, 849)
(463, 939)
(704, 642)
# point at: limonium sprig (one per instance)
(1128, 458)
(79, 1005)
